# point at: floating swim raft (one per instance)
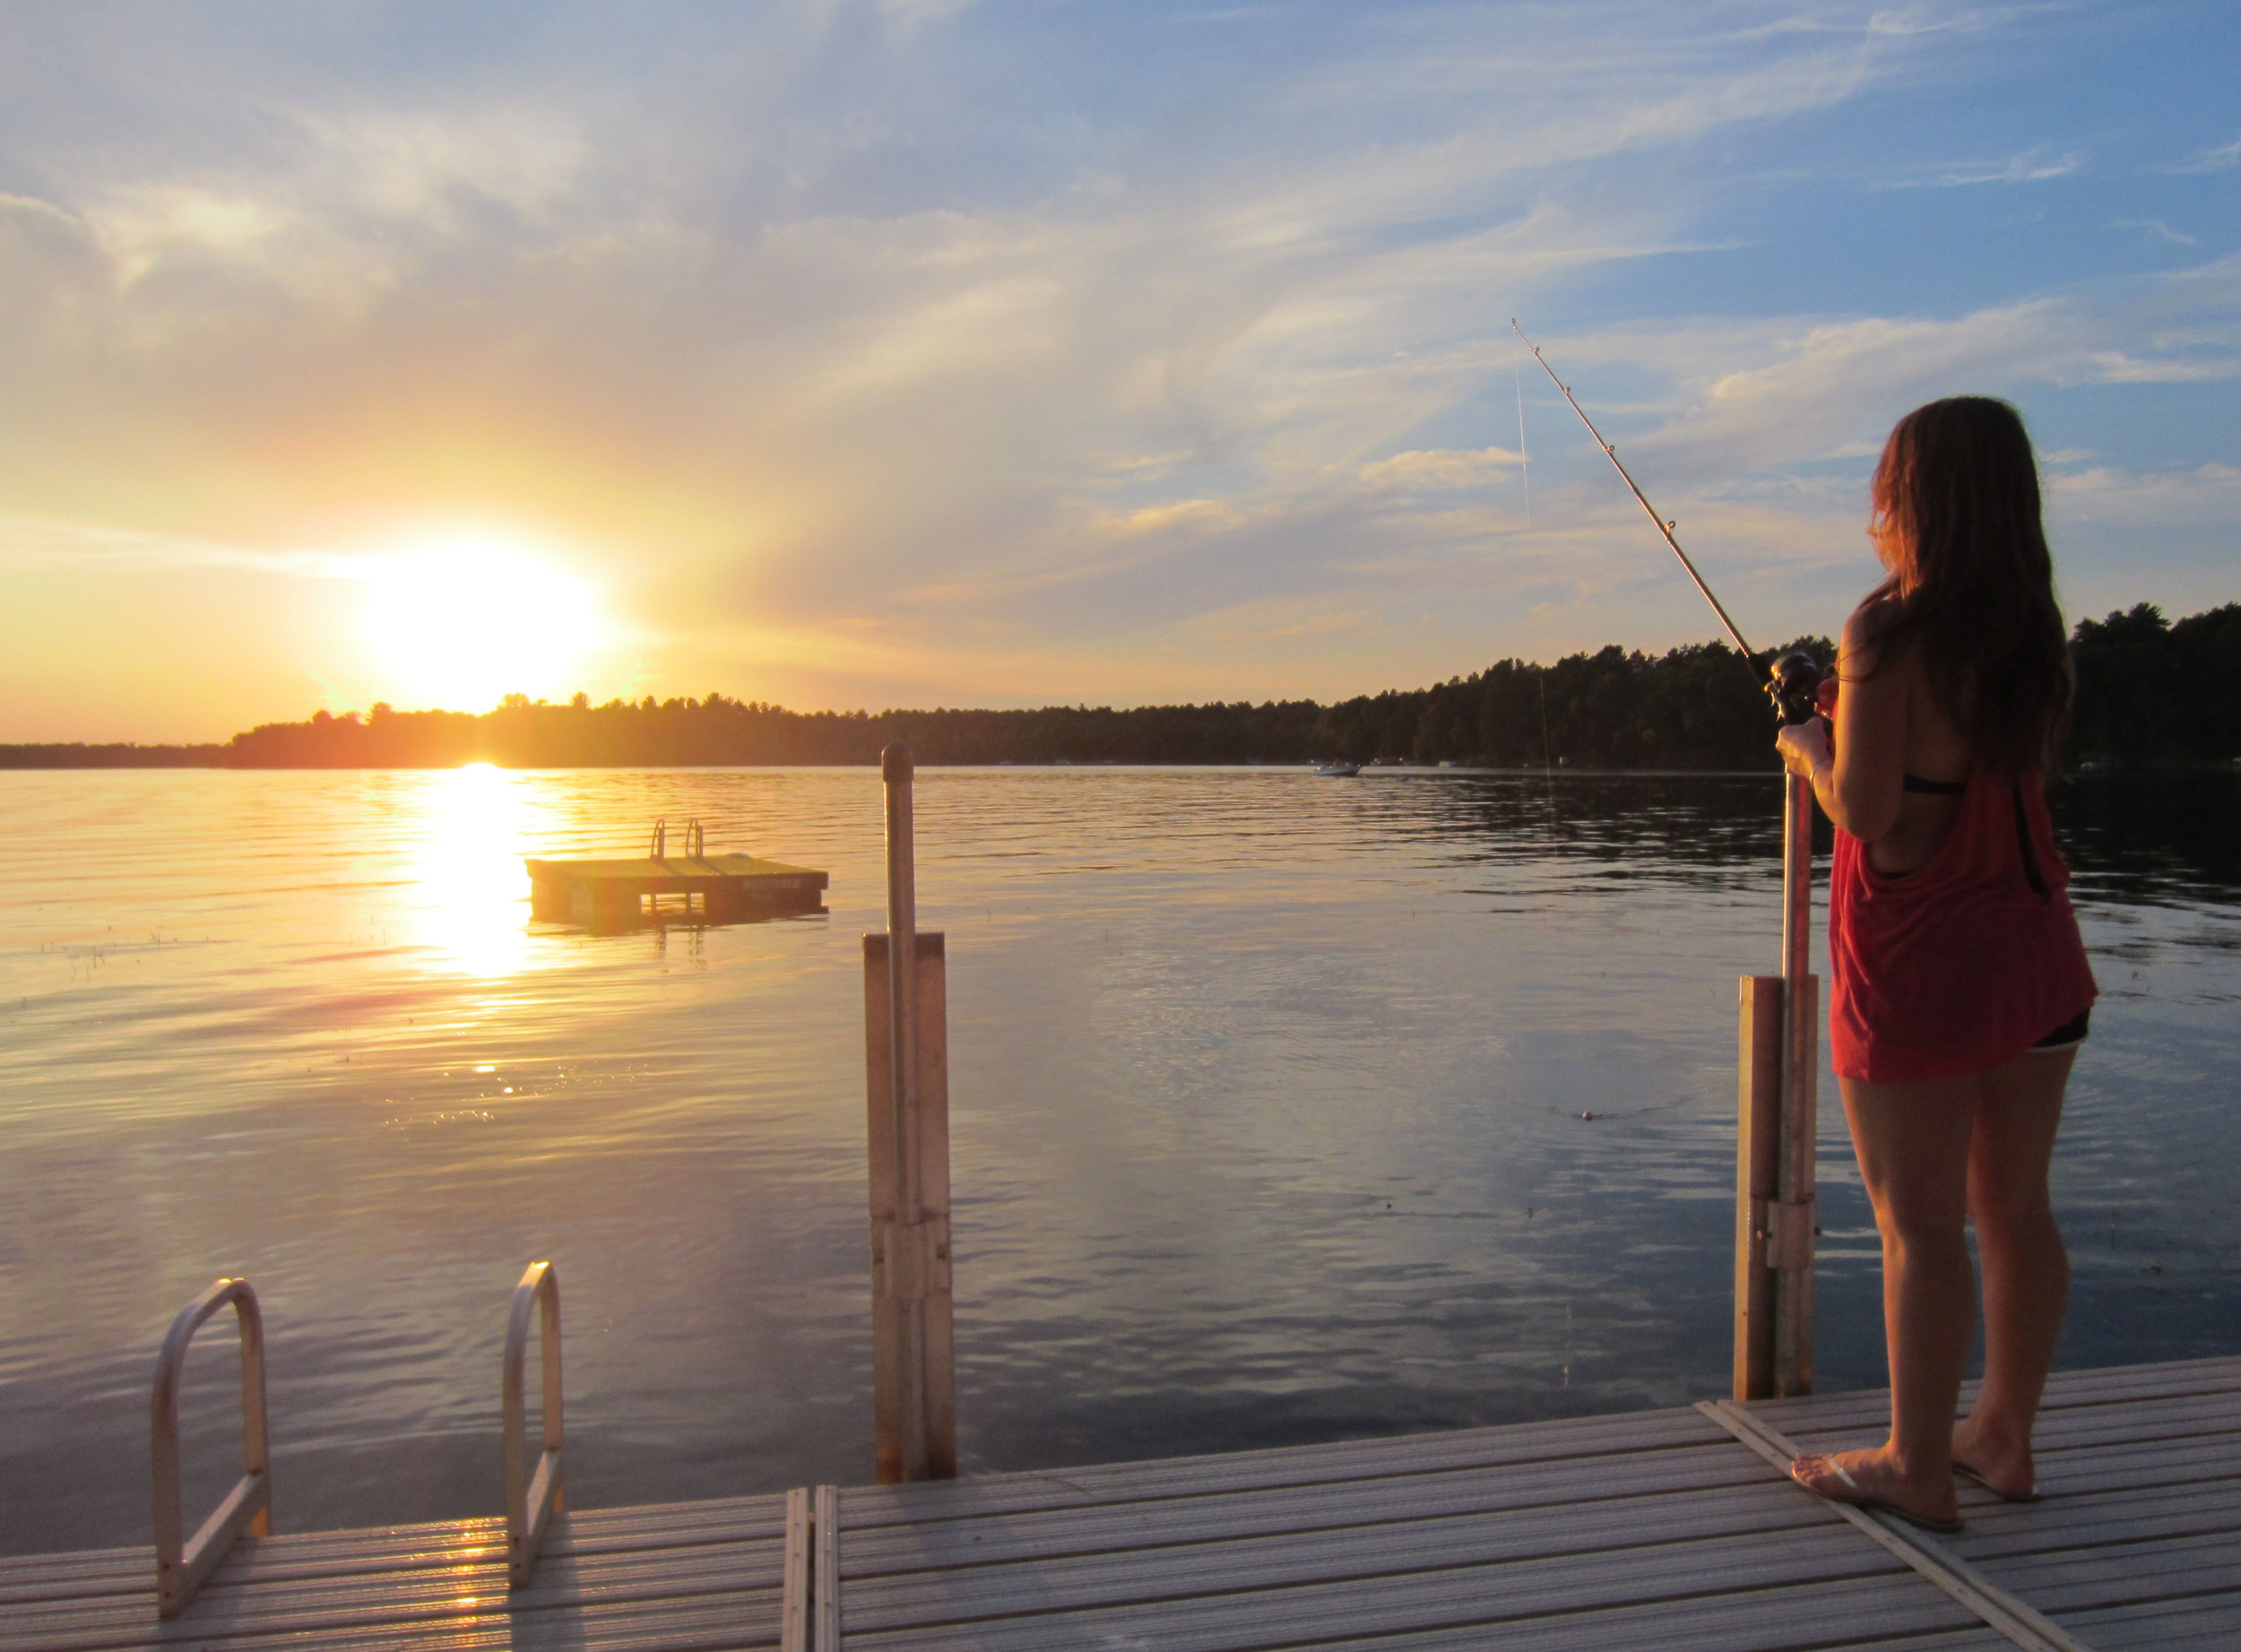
(725, 888)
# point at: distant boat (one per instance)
(1338, 770)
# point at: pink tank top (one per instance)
(1964, 962)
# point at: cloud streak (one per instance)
(32, 544)
(2033, 165)
(2223, 158)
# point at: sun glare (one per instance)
(464, 622)
(473, 909)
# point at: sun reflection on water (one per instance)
(472, 916)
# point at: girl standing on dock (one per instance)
(1960, 985)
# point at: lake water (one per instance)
(1285, 1110)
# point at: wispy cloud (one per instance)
(1444, 468)
(2145, 502)
(29, 543)
(1918, 19)
(2117, 366)
(2219, 159)
(2156, 229)
(2032, 166)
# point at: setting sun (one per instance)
(463, 622)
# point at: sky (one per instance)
(918, 352)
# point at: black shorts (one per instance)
(2068, 1035)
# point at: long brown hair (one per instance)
(1972, 585)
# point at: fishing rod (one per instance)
(1797, 674)
(1773, 1346)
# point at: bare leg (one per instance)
(1912, 1140)
(2026, 1269)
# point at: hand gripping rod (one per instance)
(1749, 654)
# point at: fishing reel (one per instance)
(1794, 686)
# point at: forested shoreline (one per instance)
(2151, 693)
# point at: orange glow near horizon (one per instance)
(463, 622)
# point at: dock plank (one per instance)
(1482, 1594)
(376, 1602)
(1573, 1440)
(442, 1542)
(2118, 1516)
(1349, 1505)
(2127, 1574)
(2203, 1623)
(1398, 1548)
(1772, 1619)
(410, 1586)
(692, 1626)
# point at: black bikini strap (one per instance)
(1935, 788)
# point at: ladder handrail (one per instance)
(658, 849)
(696, 842)
(182, 1566)
(531, 1501)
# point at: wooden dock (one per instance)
(1651, 1530)
(725, 888)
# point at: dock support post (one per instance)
(907, 1060)
(1758, 1141)
(1775, 1206)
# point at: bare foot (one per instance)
(2004, 1464)
(1874, 1480)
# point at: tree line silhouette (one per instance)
(2149, 692)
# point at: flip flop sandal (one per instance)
(1860, 1498)
(1969, 1473)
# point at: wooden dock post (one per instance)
(906, 1051)
(1779, 1064)
(1757, 1139)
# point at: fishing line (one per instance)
(1749, 654)
(1548, 755)
(1525, 464)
